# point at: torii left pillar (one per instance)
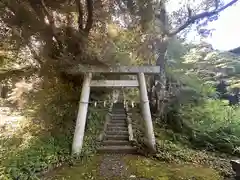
(82, 115)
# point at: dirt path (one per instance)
(113, 166)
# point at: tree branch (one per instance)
(47, 13)
(52, 24)
(216, 4)
(189, 12)
(90, 16)
(80, 14)
(192, 19)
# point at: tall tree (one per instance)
(162, 23)
(64, 33)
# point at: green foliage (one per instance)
(206, 123)
(175, 49)
(54, 105)
(95, 123)
(41, 154)
(212, 65)
(213, 125)
(85, 169)
(45, 142)
(174, 148)
(191, 81)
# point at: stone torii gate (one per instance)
(139, 83)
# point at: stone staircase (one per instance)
(116, 137)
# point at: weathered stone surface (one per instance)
(114, 83)
(236, 166)
(116, 138)
(115, 69)
(118, 149)
(82, 114)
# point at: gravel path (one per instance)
(113, 167)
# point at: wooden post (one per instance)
(149, 132)
(82, 115)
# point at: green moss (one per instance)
(147, 168)
(84, 170)
(138, 166)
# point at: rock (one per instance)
(236, 167)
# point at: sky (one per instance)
(227, 34)
(227, 28)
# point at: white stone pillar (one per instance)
(82, 115)
(149, 132)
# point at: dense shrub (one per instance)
(212, 125)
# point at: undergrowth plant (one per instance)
(207, 122)
(45, 141)
(213, 124)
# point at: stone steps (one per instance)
(117, 121)
(117, 129)
(116, 138)
(117, 149)
(119, 118)
(115, 143)
(117, 125)
(117, 133)
(119, 114)
(118, 110)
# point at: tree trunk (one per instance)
(160, 47)
(160, 79)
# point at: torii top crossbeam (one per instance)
(115, 69)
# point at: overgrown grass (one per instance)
(44, 142)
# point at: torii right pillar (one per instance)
(149, 131)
